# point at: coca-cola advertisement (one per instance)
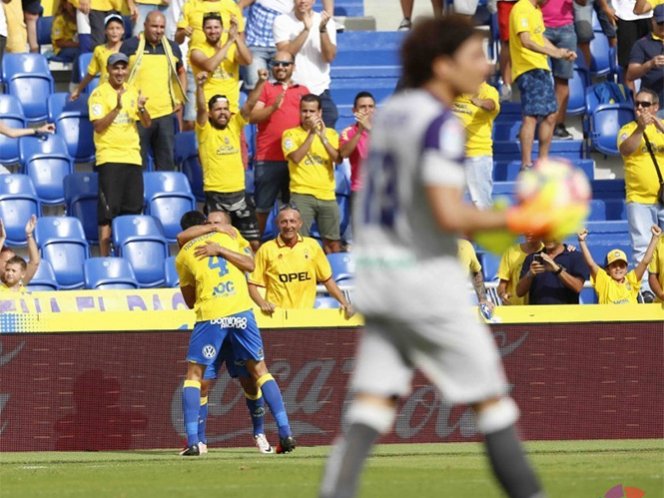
(103, 391)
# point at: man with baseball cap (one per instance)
(613, 283)
(114, 109)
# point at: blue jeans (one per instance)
(479, 179)
(261, 60)
(640, 218)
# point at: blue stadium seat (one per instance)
(44, 280)
(11, 106)
(605, 122)
(271, 229)
(490, 263)
(186, 156)
(577, 91)
(62, 243)
(83, 63)
(326, 302)
(588, 296)
(603, 56)
(47, 163)
(172, 277)
(109, 273)
(344, 90)
(76, 129)
(167, 197)
(140, 240)
(597, 210)
(358, 41)
(11, 115)
(342, 266)
(59, 102)
(27, 77)
(512, 169)
(18, 202)
(81, 192)
(44, 25)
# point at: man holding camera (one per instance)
(554, 275)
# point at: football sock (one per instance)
(256, 408)
(272, 395)
(202, 419)
(344, 465)
(191, 405)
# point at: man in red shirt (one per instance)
(277, 110)
(354, 140)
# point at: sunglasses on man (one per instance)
(281, 63)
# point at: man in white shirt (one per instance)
(312, 39)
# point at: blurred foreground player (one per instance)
(410, 285)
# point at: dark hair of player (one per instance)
(212, 16)
(191, 219)
(17, 260)
(310, 97)
(363, 95)
(430, 39)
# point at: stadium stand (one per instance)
(47, 163)
(18, 202)
(44, 279)
(109, 274)
(83, 63)
(172, 278)
(75, 128)
(342, 266)
(167, 197)
(28, 78)
(62, 243)
(186, 157)
(80, 191)
(11, 114)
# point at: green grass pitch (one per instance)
(569, 469)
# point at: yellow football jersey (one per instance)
(509, 270)
(468, 257)
(221, 287)
(611, 292)
(657, 264)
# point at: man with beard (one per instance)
(219, 133)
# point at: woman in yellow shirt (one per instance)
(613, 283)
(63, 33)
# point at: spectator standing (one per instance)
(530, 70)
(114, 28)
(312, 153)
(613, 283)
(220, 56)
(505, 61)
(34, 258)
(289, 267)
(312, 39)
(469, 262)
(31, 11)
(114, 109)
(156, 68)
(554, 275)
(139, 11)
(509, 270)
(477, 113)
(190, 24)
(583, 24)
(354, 140)
(219, 133)
(646, 60)
(17, 34)
(630, 26)
(642, 185)
(656, 272)
(90, 21)
(277, 109)
(559, 21)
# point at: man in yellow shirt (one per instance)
(642, 184)
(212, 281)
(613, 283)
(656, 272)
(220, 59)
(469, 262)
(312, 151)
(477, 113)
(289, 268)
(114, 108)
(190, 24)
(509, 270)
(219, 133)
(530, 69)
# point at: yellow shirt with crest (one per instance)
(194, 10)
(509, 270)
(525, 17)
(657, 264)
(63, 28)
(290, 274)
(221, 287)
(119, 143)
(221, 155)
(611, 292)
(641, 181)
(468, 257)
(314, 174)
(477, 121)
(99, 61)
(225, 80)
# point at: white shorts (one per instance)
(456, 353)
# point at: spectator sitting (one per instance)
(64, 36)
(613, 284)
(477, 113)
(220, 57)
(6, 254)
(289, 267)
(312, 153)
(554, 275)
(509, 270)
(471, 265)
(14, 274)
(218, 132)
(114, 29)
(646, 60)
(530, 70)
(277, 109)
(354, 140)
(656, 272)
(643, 207)
(312, 39)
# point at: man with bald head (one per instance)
(277, 109)
(155, 67)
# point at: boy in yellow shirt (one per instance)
(613, 283)
(656, 272)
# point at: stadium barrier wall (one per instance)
(92, 380)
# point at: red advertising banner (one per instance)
(106, 391)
